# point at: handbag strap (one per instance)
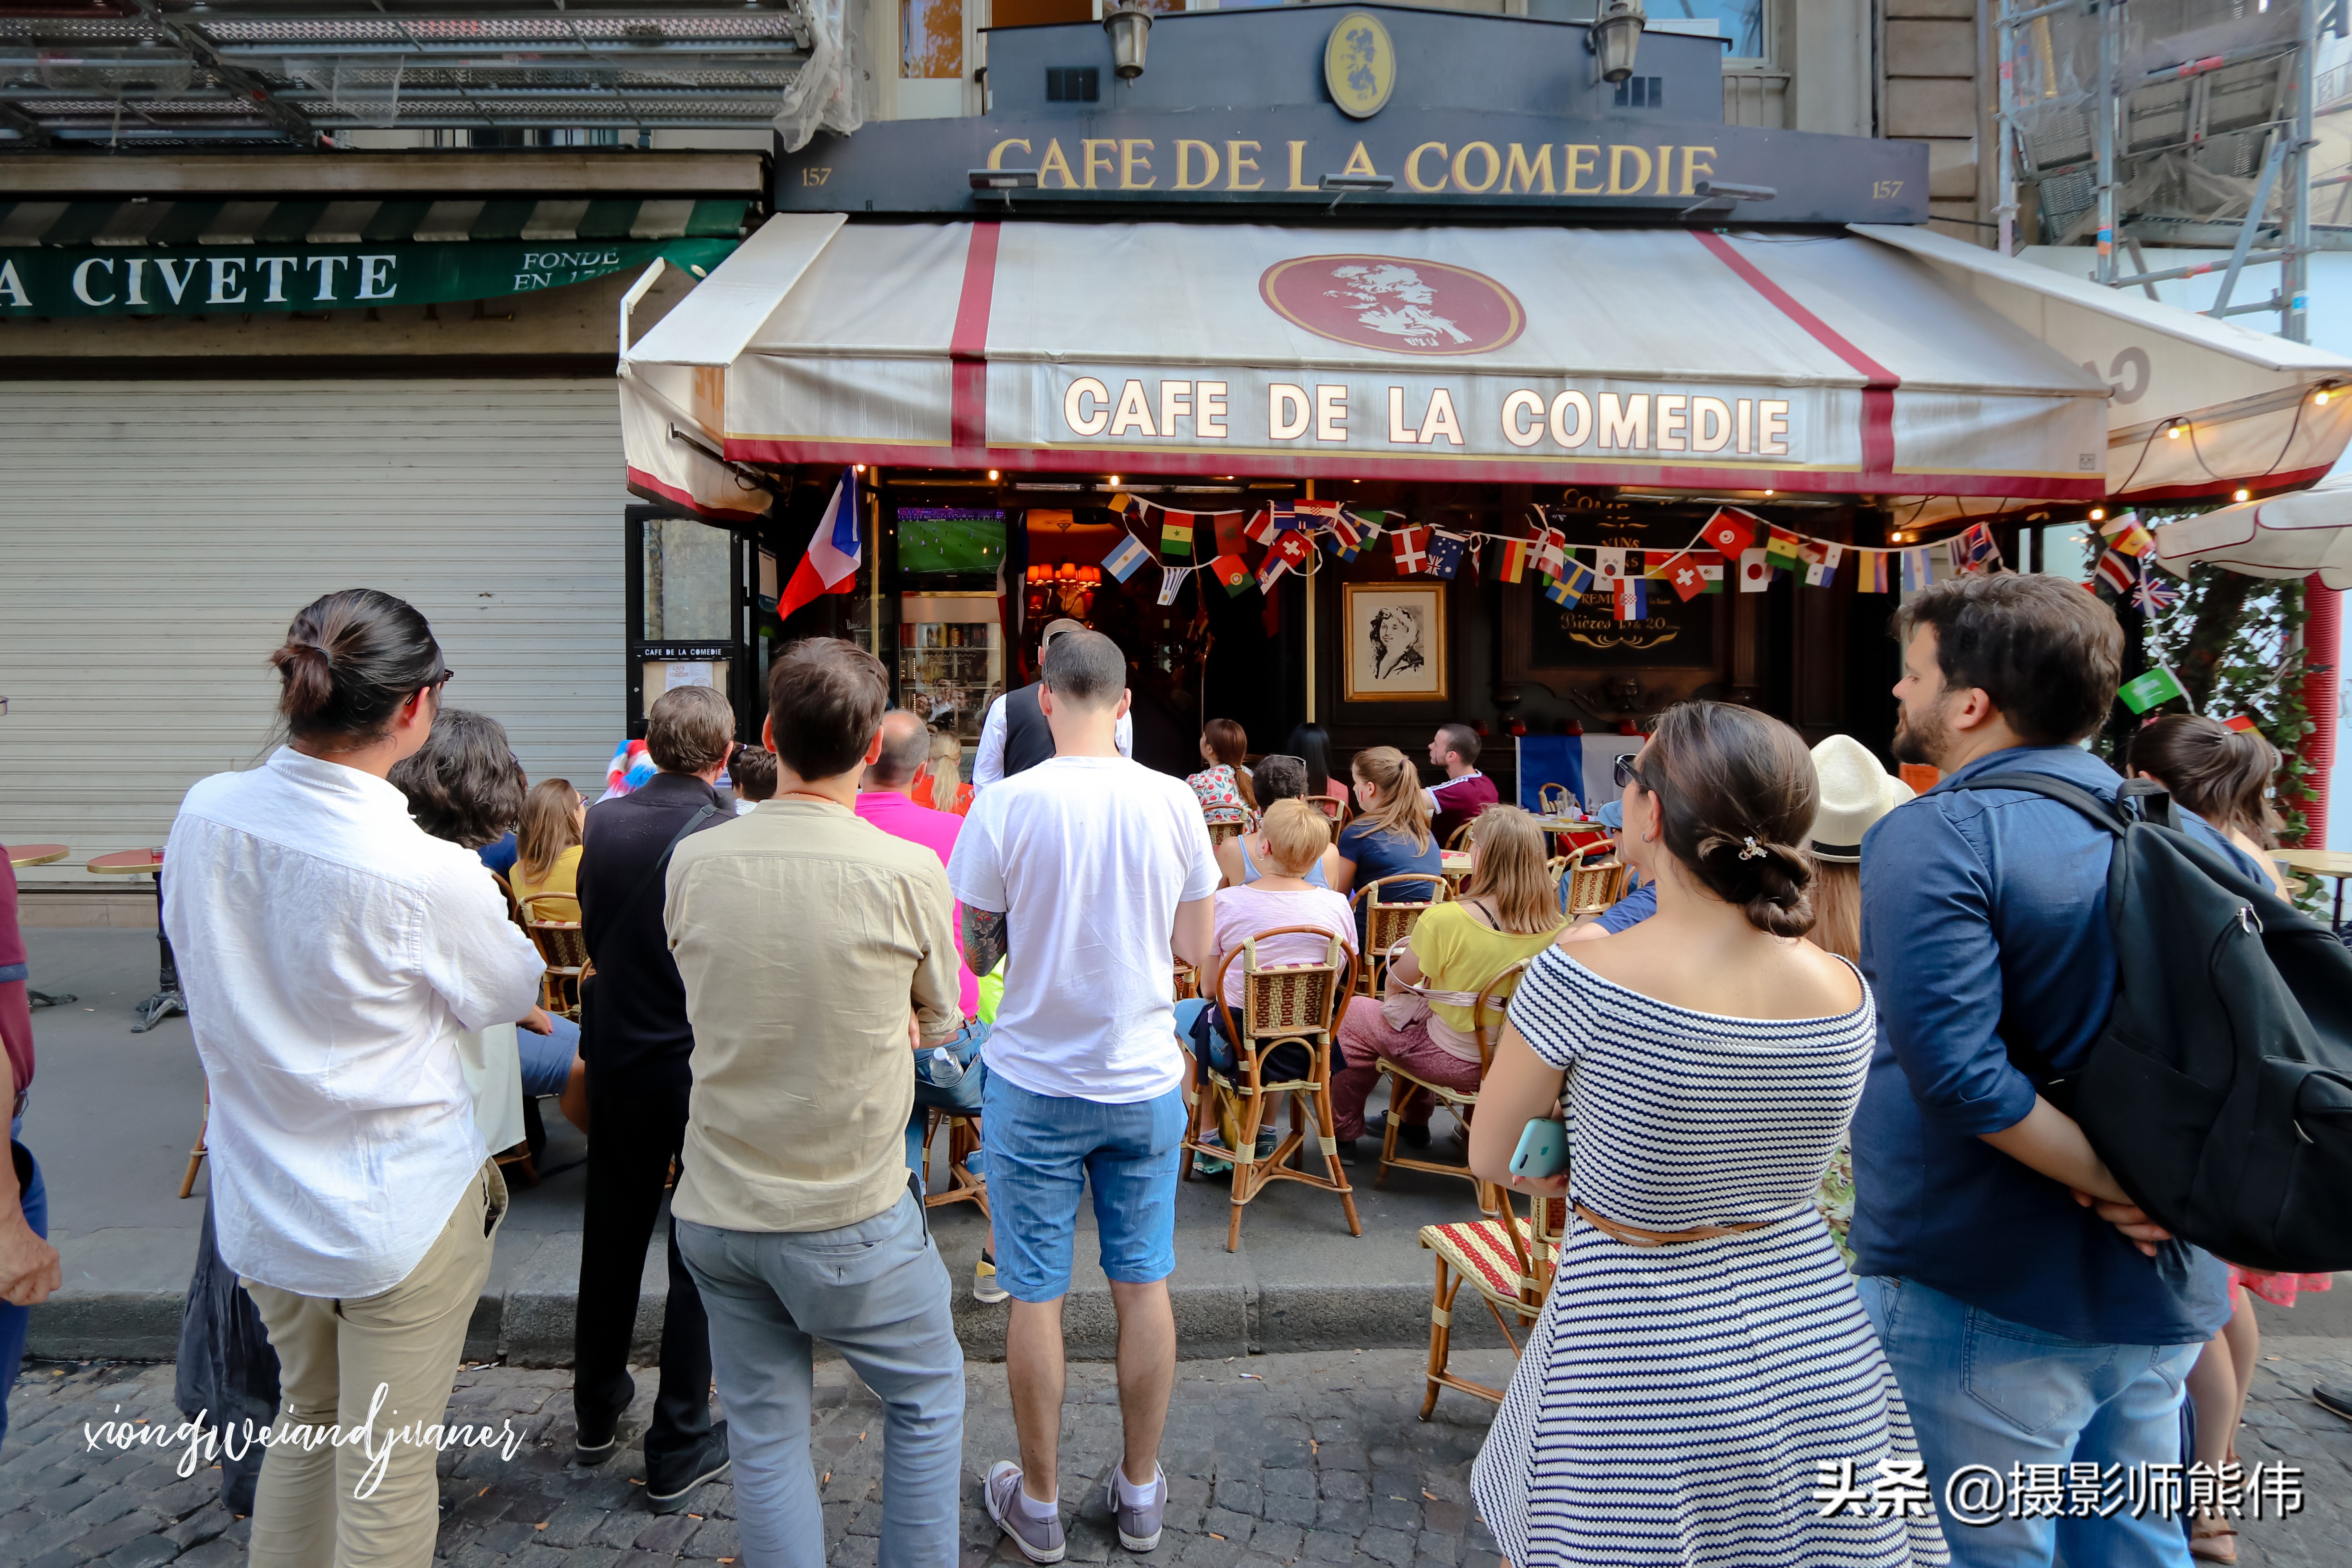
(653, 872)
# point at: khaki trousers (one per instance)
(373, 1502)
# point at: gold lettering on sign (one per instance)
(1055, 163)
(1360, 162)
(1298, 168)
(1412, 168)
(1236, 163)
(1129, 162)
(996, 153)
(1524, 173)
(1579, 163)
(1086, 146)
(1618, 185)
(1693, 168)
(1184, 179)
(1461, 164)
(1666, 169)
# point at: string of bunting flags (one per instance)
(1759, 550)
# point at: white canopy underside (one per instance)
(2285, 536)
(1882, 361)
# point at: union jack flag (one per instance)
(2155, 593)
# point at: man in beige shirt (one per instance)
(816, 951)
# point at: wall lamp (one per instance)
(1130, 27)
(1718, 196)
(1342, 186)
(1002, 183)
(1613, 37)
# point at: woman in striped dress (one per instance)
(1703, 1386)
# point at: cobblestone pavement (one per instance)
(1271, 1460)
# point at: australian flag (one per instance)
(1444, 554)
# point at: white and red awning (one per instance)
(1854, 362)
(2285, 536)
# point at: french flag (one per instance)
(830, 564)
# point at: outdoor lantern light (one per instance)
(1130, 27)
(2320, 397)
(2098, 514)
(2241, 495)
(1613, 37)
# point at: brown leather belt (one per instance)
(1635, 1237)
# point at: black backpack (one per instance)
(2219, 1093)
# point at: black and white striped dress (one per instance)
(1676, 1404)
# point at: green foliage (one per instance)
(2231, 640)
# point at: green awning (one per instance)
(198, 258)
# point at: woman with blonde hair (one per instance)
(1506, 911)
(1390, 834)
(547, 851)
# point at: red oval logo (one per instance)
(1393, 302)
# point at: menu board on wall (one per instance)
(1676, 633)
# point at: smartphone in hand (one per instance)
(1542, 1151)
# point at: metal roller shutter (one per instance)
(156, 537)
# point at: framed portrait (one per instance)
(1395, 642)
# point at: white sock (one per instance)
(1038, 1512)
(1130, 1494)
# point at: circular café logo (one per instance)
(1360, 65)
(1393, 302)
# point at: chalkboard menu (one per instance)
(1675, 633)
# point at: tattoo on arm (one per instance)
(984, 938)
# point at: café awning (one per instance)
(2284, 536)
(1690, 359)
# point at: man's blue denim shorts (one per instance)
(1042, 1147)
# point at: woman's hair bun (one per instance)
(308, 671)
(1737, 792)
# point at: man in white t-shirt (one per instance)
(1085, 870)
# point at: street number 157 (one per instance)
(815, 177)
(1879, 189)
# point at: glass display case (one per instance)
(951, 659)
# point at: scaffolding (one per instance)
(2163, 122)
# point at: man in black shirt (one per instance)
(635, 1041)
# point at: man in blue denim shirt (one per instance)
(2031, 1315)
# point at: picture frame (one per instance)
(1394, 642)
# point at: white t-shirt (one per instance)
(1089, 857)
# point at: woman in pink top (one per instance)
(1296, 835)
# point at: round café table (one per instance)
(167, 999)
(2333, 864)
(39, 854)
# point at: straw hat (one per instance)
(1855, 792)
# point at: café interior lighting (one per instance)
(2320, 397)
(2098, 514)
(2241, 495)
(1130, 27)
(1612, 39)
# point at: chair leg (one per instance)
(1247, 1179)
(1338, 1174)
(1440, 1333)
(1401, 1095)
(196, 1153)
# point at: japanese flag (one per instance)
(1754, 572)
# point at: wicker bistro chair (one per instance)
(564, 947)
(964, 1186)
(1508, 1261)
(1282, 1004)
(1487, 1011)
(1593, 886)
(1554, 800)
(1388, 925)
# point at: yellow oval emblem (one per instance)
(1360, 65)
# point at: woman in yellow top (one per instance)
(547, 857)
(1507, 910)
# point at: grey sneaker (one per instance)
(1139, 1524)
(1040, 1539)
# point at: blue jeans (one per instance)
(35, 1200)
(1983, 1391)
(1041, 1148)
(547, 1059)
(877, 1292)
(964, 1094)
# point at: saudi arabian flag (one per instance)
(2158, 685)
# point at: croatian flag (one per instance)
(1632, 598)
(830, 564)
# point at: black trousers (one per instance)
(637, 1123)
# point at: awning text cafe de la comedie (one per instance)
(1095, 353)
